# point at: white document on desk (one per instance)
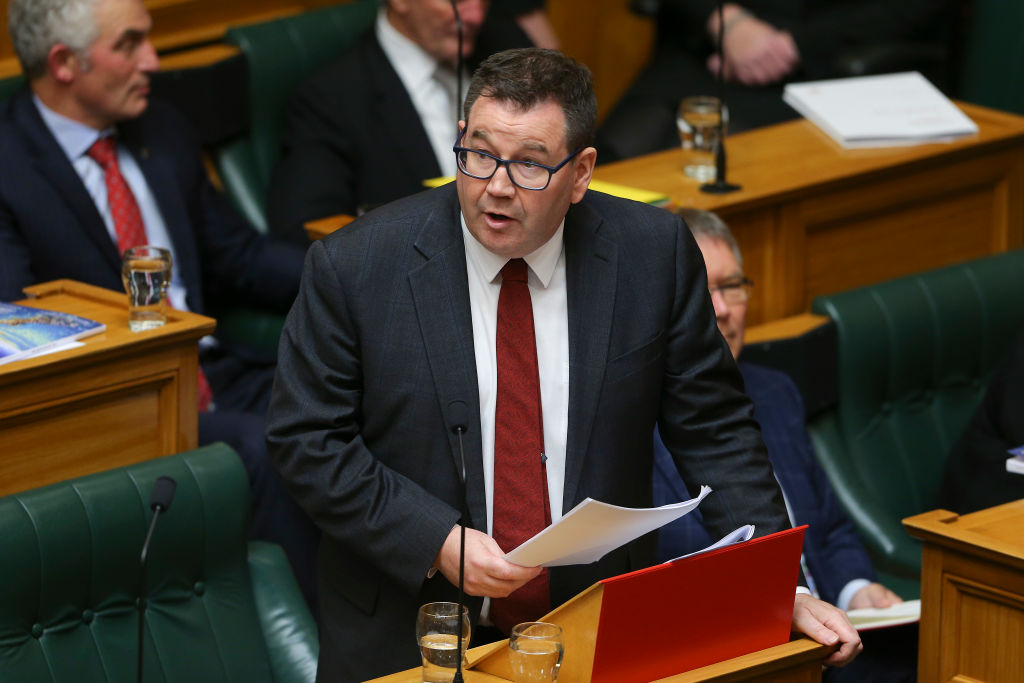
(592, 529)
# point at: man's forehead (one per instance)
(541, 126)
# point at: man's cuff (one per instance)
(849, 590)
(803, 590)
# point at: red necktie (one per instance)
(520, 478)
(123, 209)
(129, 228)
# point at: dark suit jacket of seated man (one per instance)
(392, 329)
(52, 227)
(354, 139)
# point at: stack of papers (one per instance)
(870, 618)
(880, 111)
(1015, 463)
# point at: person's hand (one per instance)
(756, 53)
(827, 625)
(874, 595)
(487, 572)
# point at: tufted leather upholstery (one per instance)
(279, 54)
(914, 357)
(219, 609)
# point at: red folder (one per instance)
(698, 610)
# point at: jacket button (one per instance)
(87, 616)
(200, 588)
(37, 631)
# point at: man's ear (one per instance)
(583, 170)
(63, 63)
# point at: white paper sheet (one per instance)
(744, 533)
(870, 618)
(592, 529)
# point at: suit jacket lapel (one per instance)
(54, 166)
(591, 263)
(441, 297)
(398, 116)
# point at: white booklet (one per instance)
(870, 618)
(592, 529)
(880, 111)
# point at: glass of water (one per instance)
(146, 273)
(697, 121)
(535, 650)
(437, 633)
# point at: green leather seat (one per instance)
(9, 85)
(279, 54)
(219, 608)
(914, 358)
(992, 68)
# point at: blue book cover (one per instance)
(26, 331)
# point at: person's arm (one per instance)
(315, 176)
(828, 625)
(756, 52)
(538, 28)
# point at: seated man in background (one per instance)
(976, 476)
(767, 43)
(92, 167)
(836, 565)
(375, 123)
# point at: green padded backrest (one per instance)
(9, 85)
(70, 572)
(914, 355)
(992, 73)
(279, 54)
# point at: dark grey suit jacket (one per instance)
(379, 345)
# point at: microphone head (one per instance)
(163, 493)
(458, 415)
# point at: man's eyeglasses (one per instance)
(528, 175)
(735, 291)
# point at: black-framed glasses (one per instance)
(735, 291)
(528, 175)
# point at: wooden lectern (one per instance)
(972, 594)
(121, 398)
(722, 615)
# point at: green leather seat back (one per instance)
(914, 356)
(70, 576)
(279, 54)
(9, 85)
(992, 73)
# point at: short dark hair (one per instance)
(531, 76)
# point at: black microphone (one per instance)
(458, 413)
(159, 501)
(720, 186)
(458, 78)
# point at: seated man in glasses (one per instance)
(836, 565)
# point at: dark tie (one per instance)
(520, 478)
(123, 209)
(129, 228)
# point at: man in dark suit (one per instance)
(835, 561)
(375, 123)
(399, 336)
(88, 64)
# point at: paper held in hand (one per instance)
(880, 111)
(592, 529)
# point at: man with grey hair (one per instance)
(553, 326)
(92, 167)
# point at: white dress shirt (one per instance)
(430, 85)
(75, 139)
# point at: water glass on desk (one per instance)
(697, 121)
(535, 650)
(146, 273)
(437, 633)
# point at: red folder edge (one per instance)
(699, 610)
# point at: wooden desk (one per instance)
(972, 594)
(121, 398)
(798, 661)
(813, 218)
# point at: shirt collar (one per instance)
(411, 62)
(74, 138)
(542, 261)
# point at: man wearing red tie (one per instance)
(91, 167)
(564, 322)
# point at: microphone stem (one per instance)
(142, 587)
(462, 558)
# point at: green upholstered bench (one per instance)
(914, 357)
(219, 608)
(279, 54)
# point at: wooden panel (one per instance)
(983, 632)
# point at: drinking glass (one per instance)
(699, 133)
(437, 633)
(146, 273)
(535, 650)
